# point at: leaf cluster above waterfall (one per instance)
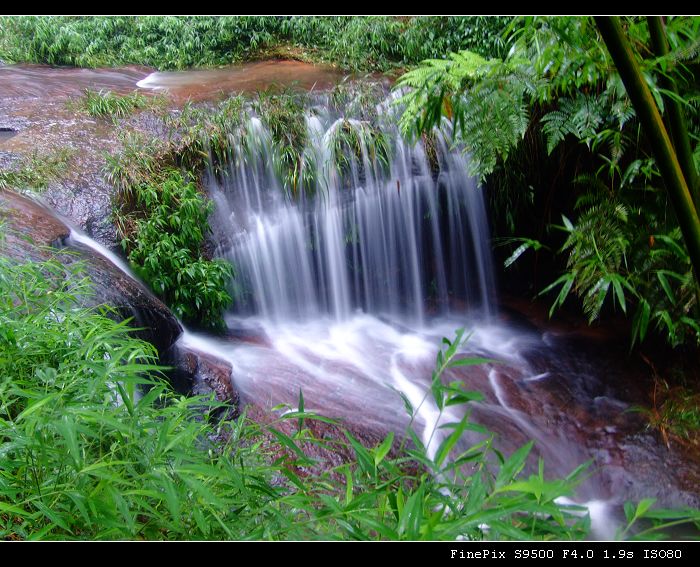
(284, 116)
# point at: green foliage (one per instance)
(139, 162)
(284, 116)
(617, 252)
(195, 136)
(165, 249)
(92, 444)
(168, 42)
(357, 98)
(674, 412)
(484, 100)
(645, 524)
(36, 171)
(558, 81)
(108, 104)
(580, 117)
(355, 141)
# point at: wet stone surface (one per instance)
(35, 233)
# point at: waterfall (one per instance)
(395, 229)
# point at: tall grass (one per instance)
(112, 105)
(37, 170)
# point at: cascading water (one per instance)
(387, 234)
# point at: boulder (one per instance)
(199, 373)
(33, 232)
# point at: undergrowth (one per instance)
(170, 220)
(168, 42)
(95, 445)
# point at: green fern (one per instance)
(485, 100)
(580, 117)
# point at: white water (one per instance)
(395, 240)
(79, 237)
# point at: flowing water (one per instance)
(202, 84)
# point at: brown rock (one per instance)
(33, 232)
(198, 373)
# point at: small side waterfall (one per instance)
(393, 228)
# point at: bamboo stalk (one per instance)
(650, 118)
(676, 117)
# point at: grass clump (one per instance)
(108, 104)
(36, 171)
(284, 116)
(161, 217)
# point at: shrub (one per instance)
(166, 250)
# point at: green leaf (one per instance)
(450, 441)
(640, 323)
(513, 465)
(470, 361)
(385, 446)
(300, 423)
(661, 275)
(619, 294)
(364, 459)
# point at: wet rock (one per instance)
(199, 373)
(152, 319)
(34, 233)
(202, 373)
(9, 160)
(27, 219)
(87, 202)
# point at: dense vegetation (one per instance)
(168, 42)
(166, 249)
(556, 104)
